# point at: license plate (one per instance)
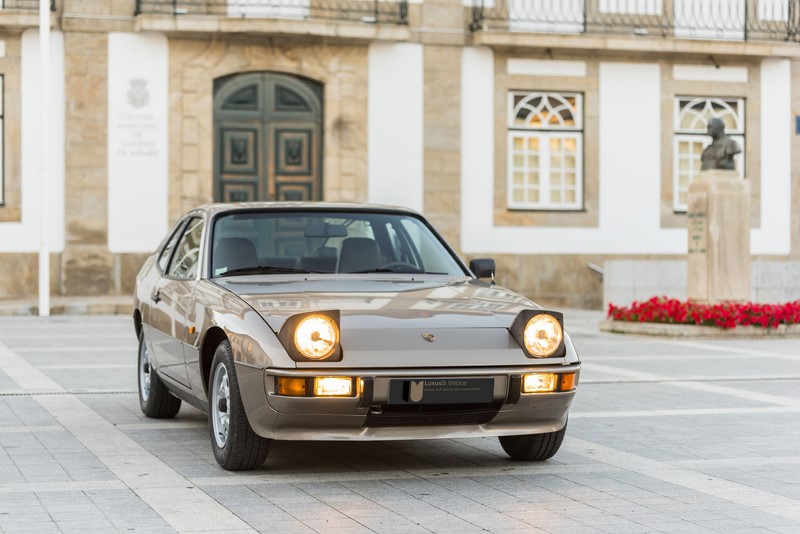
(441, 390)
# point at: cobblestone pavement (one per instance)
(664, 436)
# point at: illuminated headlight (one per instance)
(316, 337)
(543, 335)
(540, 333)
(312, 336)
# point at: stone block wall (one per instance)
(86, 263)
(626, 280)
(559, 280)
(195, 64)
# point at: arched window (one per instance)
(545, 151)
(691, 137)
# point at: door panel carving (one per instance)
(268, 138)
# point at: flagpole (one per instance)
(44, 158)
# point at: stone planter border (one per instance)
(695, 331)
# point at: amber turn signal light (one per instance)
(567, 382)
(293, 387)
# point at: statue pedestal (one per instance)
(719, 237)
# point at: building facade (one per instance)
(557, 136)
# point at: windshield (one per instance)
(327, 242)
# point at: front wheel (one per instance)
(236, 446)
(533, 447)
(155, 400)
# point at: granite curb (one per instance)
(697, 331)
(118, 305)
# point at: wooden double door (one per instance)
(268, 138)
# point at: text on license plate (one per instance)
(441, 390)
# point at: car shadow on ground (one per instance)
(431, 457)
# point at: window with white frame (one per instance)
(692, 115)
(545, 151)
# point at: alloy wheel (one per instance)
(144, 372)
(220, 404)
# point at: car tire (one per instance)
(533, 447)
(236, 446)
(155, 400)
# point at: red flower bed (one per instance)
(723, 315)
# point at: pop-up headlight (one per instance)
(312, 336)
(540, 333)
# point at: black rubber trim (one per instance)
(514, 389)
(368, 385)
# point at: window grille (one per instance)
(545, 151)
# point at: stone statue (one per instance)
(719, 154)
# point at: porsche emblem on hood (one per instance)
(430, 338)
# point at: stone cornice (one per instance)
(635, 44)
(326, 30)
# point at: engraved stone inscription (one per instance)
(697, 233)
(136, 126)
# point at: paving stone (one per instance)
(665, 436)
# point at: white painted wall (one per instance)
(395, 125)
(630, 167)
(546, 67)
(477, 148)
(24, 236)
(630, 162)
(138, 109)
(705, 73)
(774, 235)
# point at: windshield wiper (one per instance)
(385, 270)
(272, 269)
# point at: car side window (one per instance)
(186, 259)
(166, 252)
(399, 246)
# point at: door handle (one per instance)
(156, 297)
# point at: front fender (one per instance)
(219, 314)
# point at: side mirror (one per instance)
(482, 268)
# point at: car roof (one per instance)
(213, 209)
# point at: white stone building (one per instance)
(557, 136)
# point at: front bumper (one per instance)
(370, 416)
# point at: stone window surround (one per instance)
(10, 203)
(750, 92)
(588, 86)
(2, 140)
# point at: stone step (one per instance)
(77, 305)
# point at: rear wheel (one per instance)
(155, 400)
(533, 447)
(236, 446)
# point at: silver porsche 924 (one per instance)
(316, 321)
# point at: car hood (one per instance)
(386, 322)
(381, 302)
